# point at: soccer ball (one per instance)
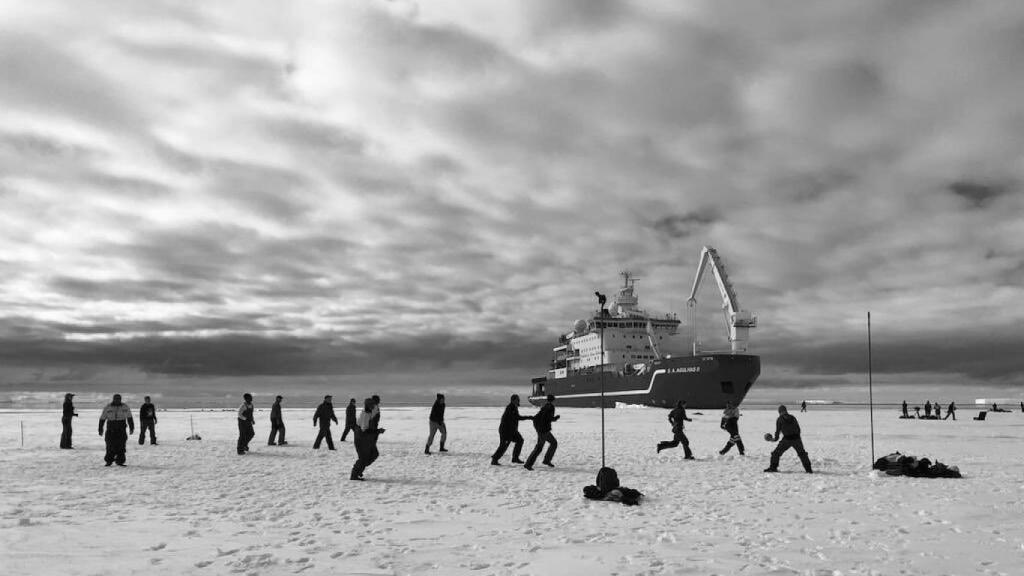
(768, 437)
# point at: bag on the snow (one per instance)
(607, 479)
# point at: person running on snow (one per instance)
(147, 421)
(731, 424)
(437, 423)
(365, 438)
(350, 418)
(542, 424)
(116, 415)
(324, 414)
(276, 424)
(508, 432)
(65, 421)
(677, 416)
(789, 428)
(246, 423)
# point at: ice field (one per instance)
(195, 507)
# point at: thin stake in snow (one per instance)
(871, 398)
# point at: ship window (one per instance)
(727, 388)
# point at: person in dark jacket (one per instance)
(542, 424)
(116, 416)
(789, 428)
(324, 415)
(246, 423)
(65, 421)
(437, 423)
(147, 421)
(803, 406)
(927, 409)
(365, 436)
(731, 424)
(677, 416)
(276, 424)
(375, 414)
(508, 432)
(951, 411)
(350, 418)
(905, 415)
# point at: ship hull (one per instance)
(706, 381)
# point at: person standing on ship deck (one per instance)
(437, 423)
(731, 424)
(508, 432)
(324, 414)
(677, 416)
(276, 424)
(65, 421)
(542, 424)
(350, 418)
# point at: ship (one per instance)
(614, 356)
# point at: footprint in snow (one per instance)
(159, 546)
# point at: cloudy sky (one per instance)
(212, 194)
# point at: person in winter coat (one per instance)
(437, 423)
(276, 424)
(951, 411)
(365, 436)
(324, 415)
(787, 426)
(542, 424)
(375, 415)
(246, 423)
(731, 424)
(677, 416)
(350, 418)
(508, 432)
(116, 416)
(147, 421)
(65, 421)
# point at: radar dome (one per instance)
(580, 326)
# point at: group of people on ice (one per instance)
(786, 427)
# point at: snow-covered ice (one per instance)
(198, 508)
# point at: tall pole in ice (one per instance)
(871, 396)
(601, 301)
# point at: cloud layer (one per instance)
(314, 188)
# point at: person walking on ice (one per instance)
(789, 428)
(116, 416)
(437, 423)
(542, 424)
(951, 411)
(508, 432)
(677, 416)
(365, 438)
(276, 424)
(324, 415)
(147, 421)
(731, 424)
(246, 424)
(65, 421)
(350, 418)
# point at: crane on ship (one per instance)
(737, 320)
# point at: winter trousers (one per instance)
(245, 434)
(65, 433)
(348, 426)
(515, 438)
(366, 450)
(116, 439)
(147, 424)
(543, 437)
(732, 426)
(325, 434)
(678, 438)
(785, 444)
(434, 428)
(276, 431)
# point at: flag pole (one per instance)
(871, 397)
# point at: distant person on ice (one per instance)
(365, 436)
(350, 418)
(65, 421)
(905, 415)
(508, 432)
(246, 423)
(789, 428)
(731, 424)
(324, 415)
(803, 406)
(437, 423)
(951, 411)
(927, 409)
(276, 424)
(938, 411)
(147, 421)
(116, 416)
(677, 416)
(542, 424)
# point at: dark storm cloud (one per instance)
(684, 225)
(126, 290)
(979, 194)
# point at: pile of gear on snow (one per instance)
(608, 488)
(897, 464)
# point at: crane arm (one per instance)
(738, 320)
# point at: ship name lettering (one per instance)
(685, 369)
